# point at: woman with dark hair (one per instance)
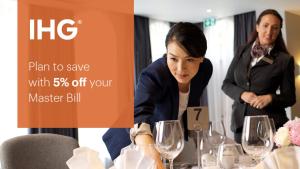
(261, 78)
(166, 88)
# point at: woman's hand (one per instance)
(261, 102)
(150, 151)
(248, 97)
(146, 143)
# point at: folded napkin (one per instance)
(132, 157)
(282, 158)
(85, 158)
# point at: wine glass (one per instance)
(215, 136)
(228, 156)
(272, 123)
(169, 139)
(257, 136)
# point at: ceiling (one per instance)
(195, 10)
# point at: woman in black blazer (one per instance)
(261, 78)
(166, 88)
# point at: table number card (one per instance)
(197, 117)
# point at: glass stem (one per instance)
(171, 163)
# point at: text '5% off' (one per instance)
(63, 82)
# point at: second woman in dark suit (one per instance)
(258, 70)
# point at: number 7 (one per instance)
(198, 112)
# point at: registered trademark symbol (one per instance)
(79, 21)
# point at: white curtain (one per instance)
(220, 52)
(158, 32)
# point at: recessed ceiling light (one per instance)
(208, 10)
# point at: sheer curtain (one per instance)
(220, 52)
(158, 33)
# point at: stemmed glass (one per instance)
(169, 139)
(257, 136)
(228, 156)
(215, 136)
(272, 123)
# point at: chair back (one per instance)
(37, 151)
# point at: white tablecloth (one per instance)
(282, 158)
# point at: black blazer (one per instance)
(276, 71)
(157, 98)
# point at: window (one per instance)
(158, 32)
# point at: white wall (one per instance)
(293, 37)
(8, 71)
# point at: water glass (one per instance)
(257, 136)
(228, 156)
(215, 136)
(169, 139)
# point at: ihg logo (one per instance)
(39, 29)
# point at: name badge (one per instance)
(197, 118)
(268, 60)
